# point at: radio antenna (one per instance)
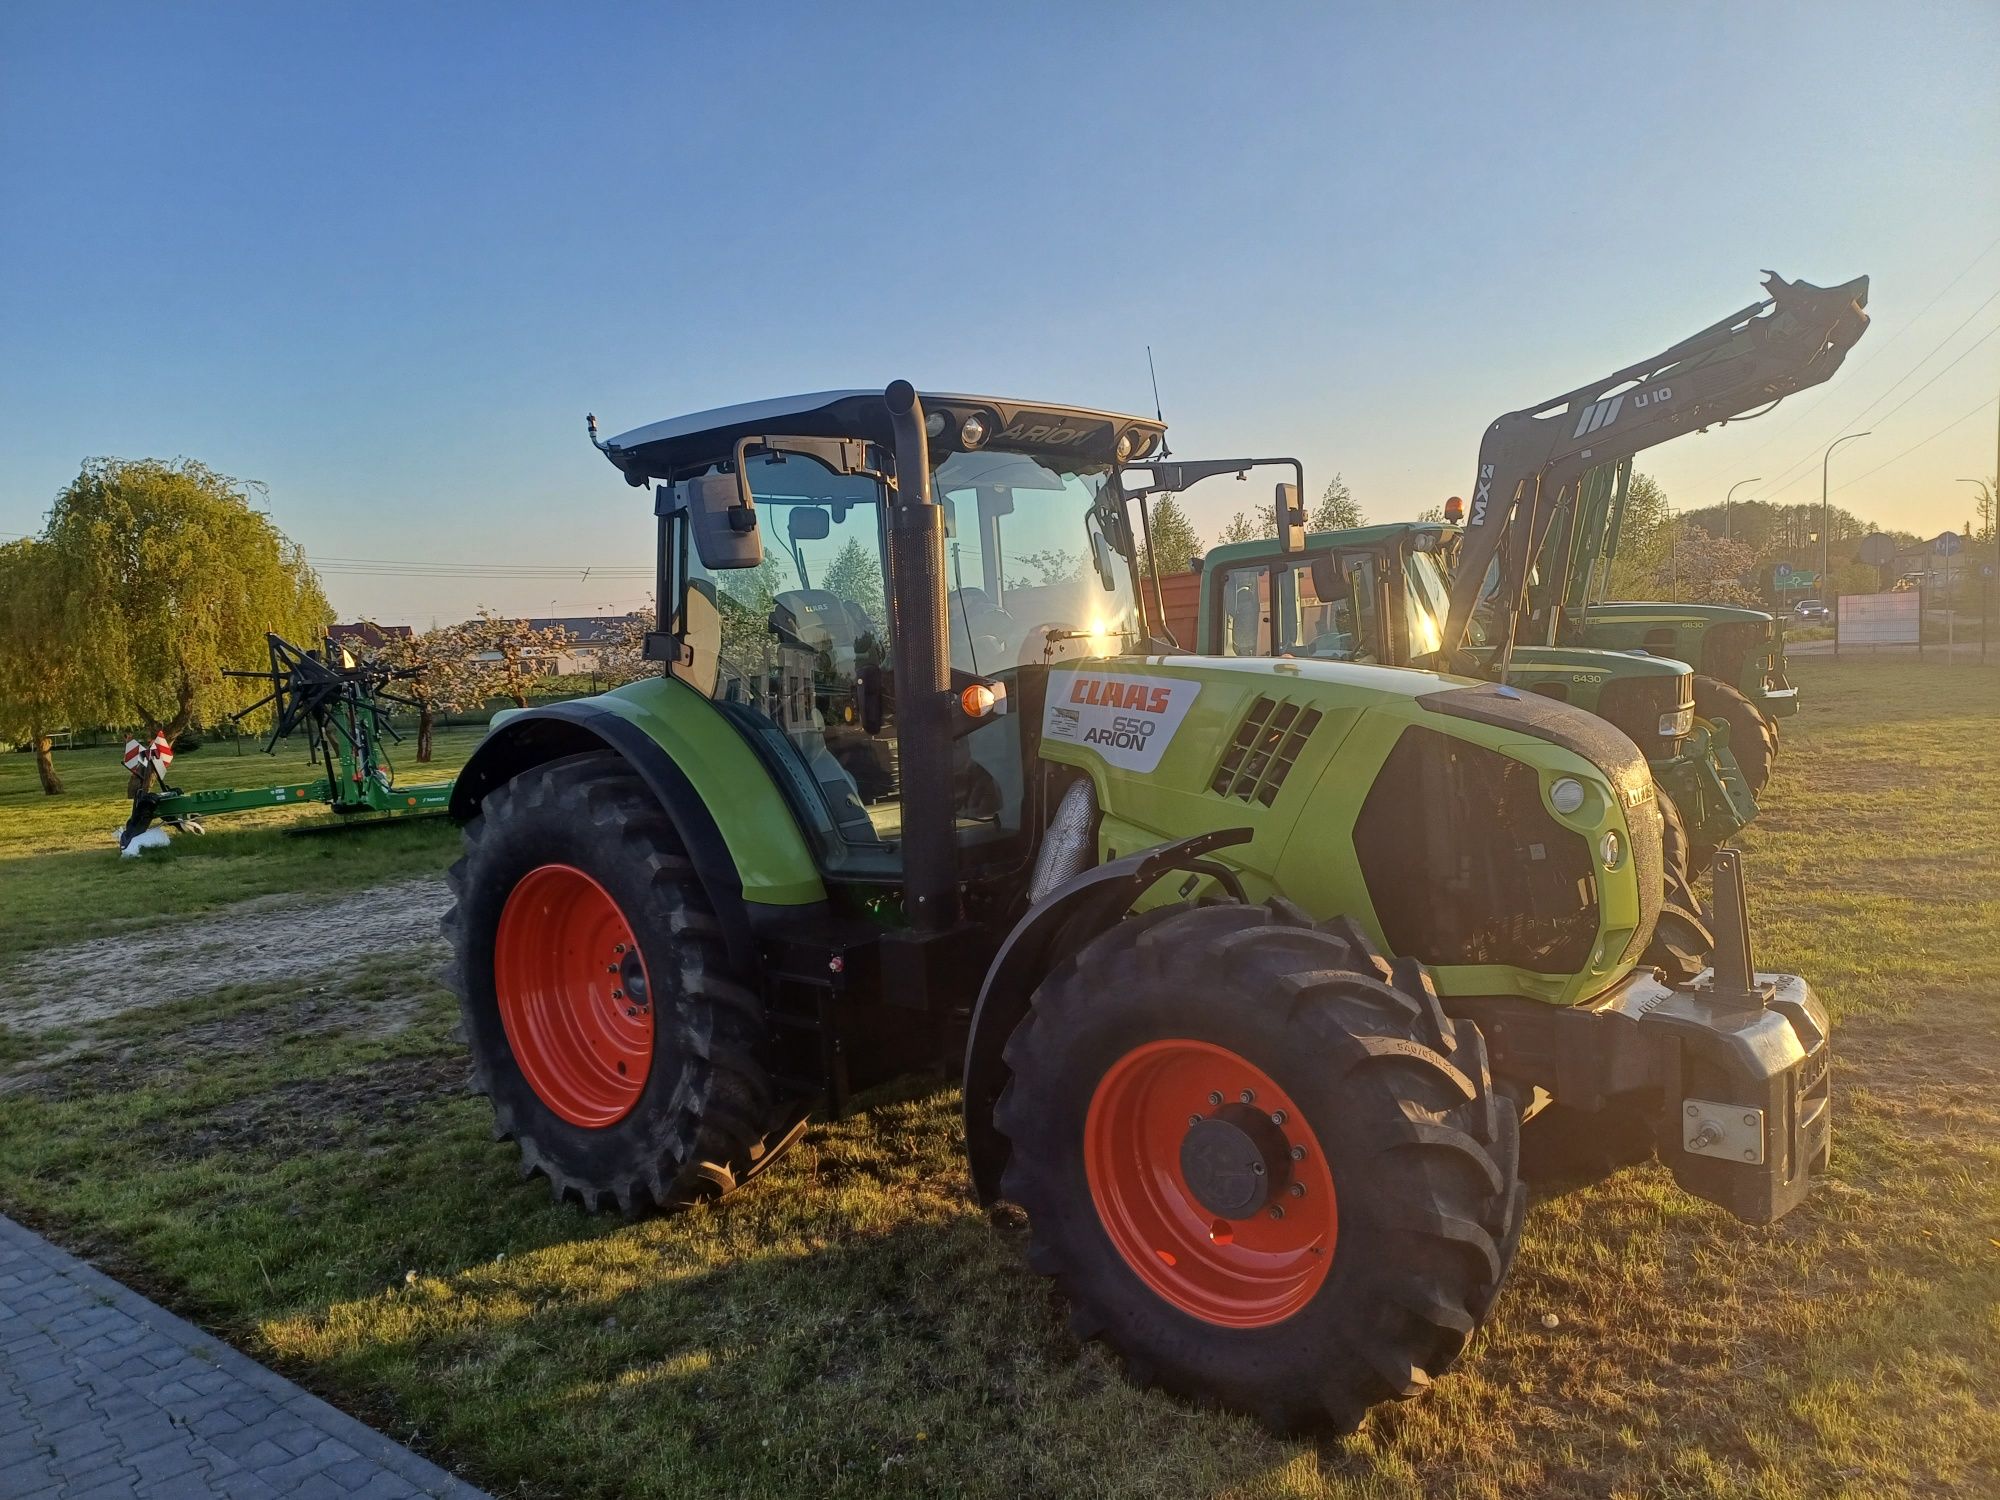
(1165, 451)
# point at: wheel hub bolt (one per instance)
(617, 994)
(1194, 1119)
(1215, 1097)
(1248, 1096)
(1298, 1190)
(1278, 1117)
(618, 948)
(1298, 1153)
(1277, 1210)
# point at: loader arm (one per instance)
(1530, 460)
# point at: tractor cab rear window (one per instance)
(800, 653)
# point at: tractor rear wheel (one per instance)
(1752, 741)
(618, 1050)
(1260, 1161)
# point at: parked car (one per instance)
(1811, 611)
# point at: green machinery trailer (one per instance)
(1250, 967)
(342, 706)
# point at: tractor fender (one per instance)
(1054, 928)
(751, 861)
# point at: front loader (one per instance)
(1542, 525)
(1250, 967)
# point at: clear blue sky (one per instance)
(384, 259)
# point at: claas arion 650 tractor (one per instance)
(1250, 967)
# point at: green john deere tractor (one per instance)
(1378, 594)
(1738, 654)
(1250, 967)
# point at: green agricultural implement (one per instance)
(1738, 654)
(1378, 594)
(1251, 967)
(342, 706)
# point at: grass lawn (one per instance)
(61, 878)
(300, 1169)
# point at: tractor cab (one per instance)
(777, 573)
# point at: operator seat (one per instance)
(982, 633)
(851, 765)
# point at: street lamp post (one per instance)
(1730, 497)
(1825, 512)
(1985, 584)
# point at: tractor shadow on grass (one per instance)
(740, 1350)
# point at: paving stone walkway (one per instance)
(103, 1394)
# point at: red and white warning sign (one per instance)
(1129, 720)
(161, 751)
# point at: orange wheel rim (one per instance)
(1210, 1183)
(574, 998)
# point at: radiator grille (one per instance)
(1263, 750)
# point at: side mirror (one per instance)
(1325, 576)
(808, 523)
(1291, 520)
(1105, 557)
(723, 517)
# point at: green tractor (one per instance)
(1379, 594)
(1738, 654)
(1250, 967)
(1550, 492)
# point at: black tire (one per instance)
(1676, 851)
(1752, 741)
(1681, 945)
(707, 1117)
(1422, 1153)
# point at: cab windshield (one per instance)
(800, 652)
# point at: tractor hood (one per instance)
(1446, 787)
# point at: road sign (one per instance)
(1947, 543)
(1876, 549)
(1784, 577)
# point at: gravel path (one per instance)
(253, 942)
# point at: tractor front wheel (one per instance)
(1260, 1161)
(1753, 742)
(619, 1051)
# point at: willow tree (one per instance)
(37, 675)
(169, 577)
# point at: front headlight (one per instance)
(1677, 723)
